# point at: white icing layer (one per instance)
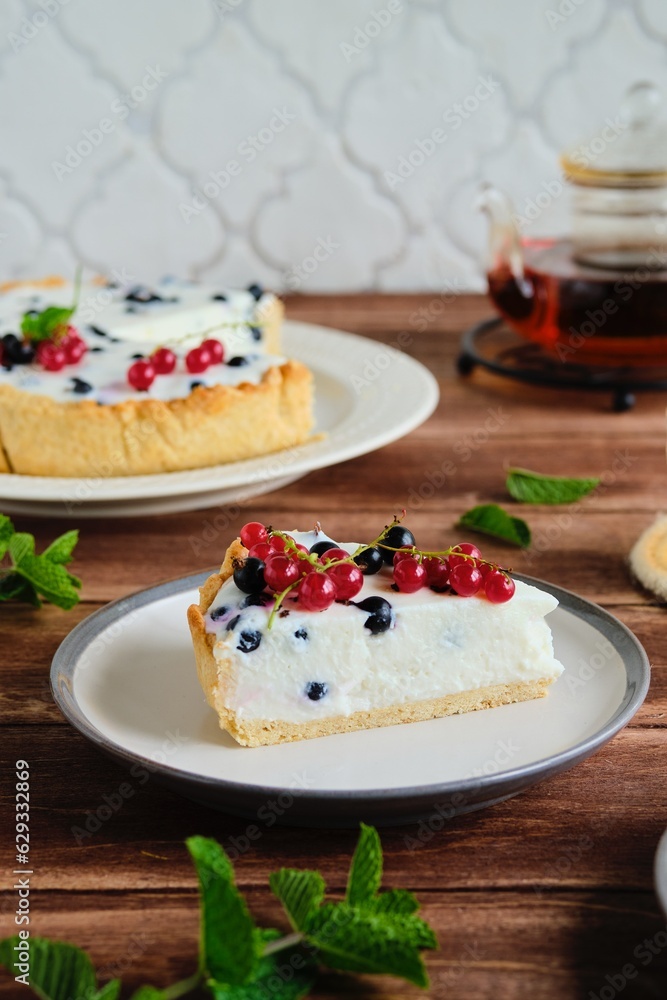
(182, 312)
(439, 644)
(114, 335)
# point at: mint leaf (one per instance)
(366, 868)
(148, 993)
(58, 971)
(300, 892)
(14, 586)
(110, 991)
(6, 532)
(490, 519)
(357, 941)
(230, 945)
(397, 901)
(533, 487)
(60, 550)
(50, 580)
(283, 975)
(42, 325)
(21, 544)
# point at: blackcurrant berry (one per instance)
(316, 690)
(396, 538)
(219, 613)
(381, 614)
(255, 601)
(249, 640)
(370, 561)
(249, 576)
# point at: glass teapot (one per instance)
(599, 296)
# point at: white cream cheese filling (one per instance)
(115, 336)
(439, 644)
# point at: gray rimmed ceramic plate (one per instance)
(125, 678)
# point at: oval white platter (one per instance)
(125, 678)
(366, 396)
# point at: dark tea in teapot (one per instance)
(585, 314)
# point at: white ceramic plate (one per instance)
(660, 872)
(125, 678)
(366, 396)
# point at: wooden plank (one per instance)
(96, 826)
(494, 945)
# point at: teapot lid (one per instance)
(629, 150)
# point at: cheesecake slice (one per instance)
(385, 656)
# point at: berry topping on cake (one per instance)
(252, 533)
(215, 350)
(141, 375)
(370, 560)
(249, 576)
(237, 362)
(249, 640)
(164, 361)
(381, 614)
(396, 537)
(316, 690)
(197, 360)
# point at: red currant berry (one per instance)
(409, 575)
(332, 555)
(51, 356)
(215, 350)
(437, 572)
(252, 533)
(317, 592)
(197, 360)
(499, 587)
(348, 580)
(261, 550)
(164, 361)
(277, 543)
(465, 579)
(141, 375)
(280, 572)
(405, 552)
(485, 568)
(75, 351)
(468, 550)
(73, 346)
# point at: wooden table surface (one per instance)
(546, 896)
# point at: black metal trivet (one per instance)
(495, 346)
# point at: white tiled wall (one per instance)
(290, 141)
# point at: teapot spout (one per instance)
(505, 252)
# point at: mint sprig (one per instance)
(490, 519)
(33, 578)
(50, 323)
(535, 488)
(367, 932)
(58, 971)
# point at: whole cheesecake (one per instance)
(449, 633)
(138, 380)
